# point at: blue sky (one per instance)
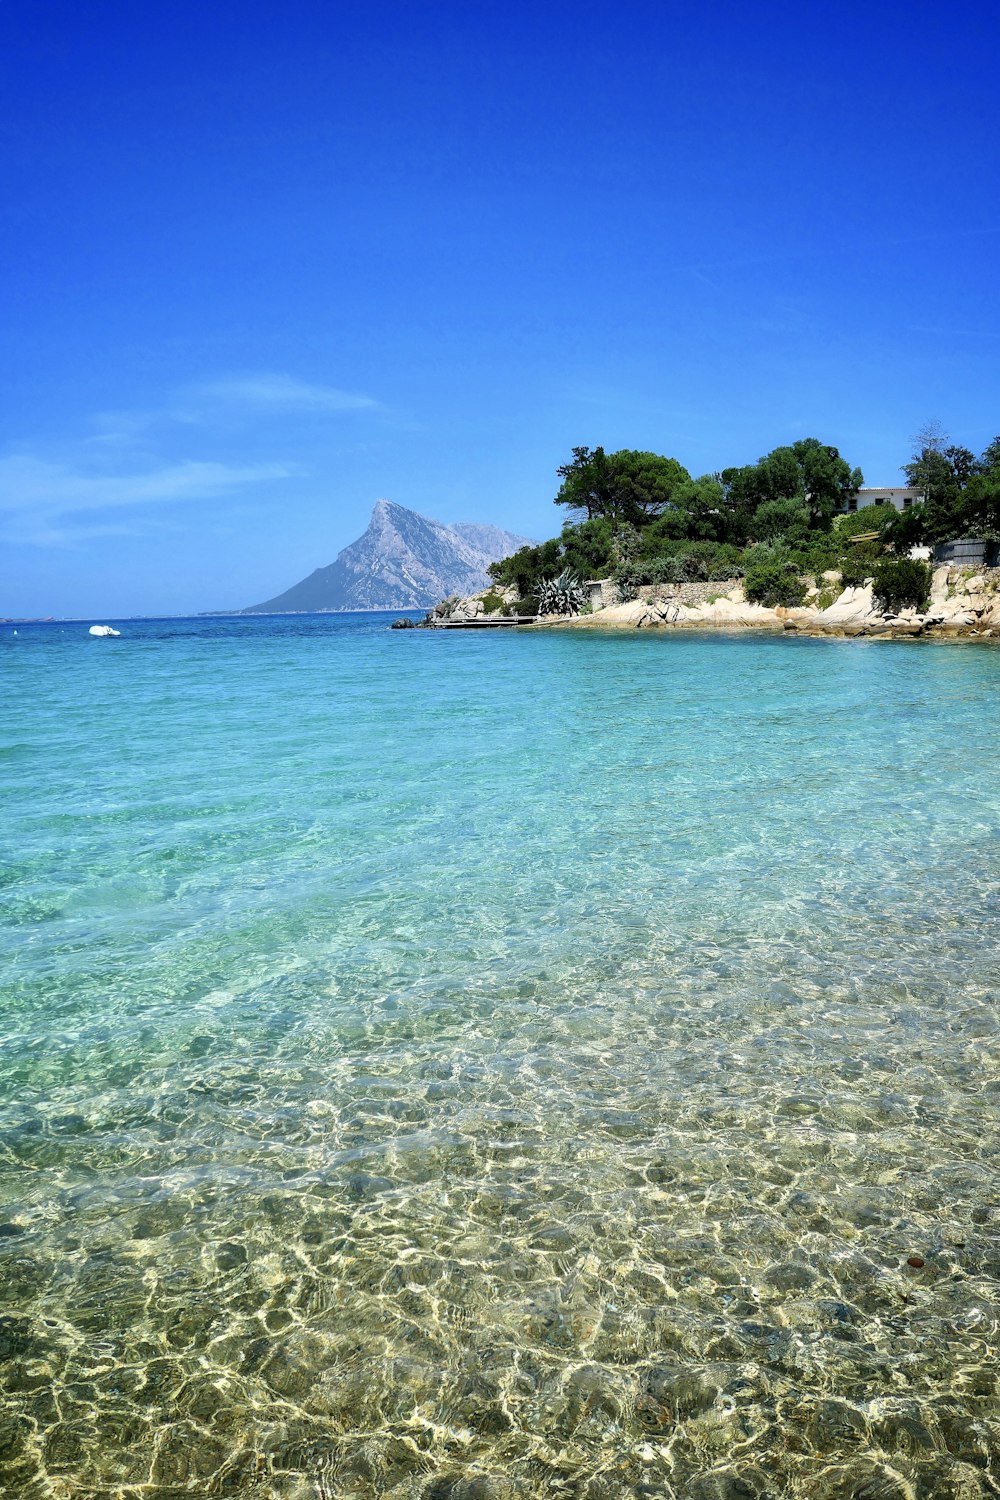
(262, 264)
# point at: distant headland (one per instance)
(402, 561)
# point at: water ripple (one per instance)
(471, 1069)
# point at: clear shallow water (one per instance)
(473, 1066)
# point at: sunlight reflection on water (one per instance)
(463, 1068)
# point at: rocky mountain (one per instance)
(403, 561)
(489, 540)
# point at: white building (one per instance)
(899, 499)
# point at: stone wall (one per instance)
(680, 593)
(690, 593)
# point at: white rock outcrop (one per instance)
(854, 607)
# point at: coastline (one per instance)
(964, 603)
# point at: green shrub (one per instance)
(632, 575)
(818, 554)
(901, 583)
(493, 603)
(588, 547)
(858, 564)
(712, 560)
(855, 571)
(772, 581)
(526, 568)
(679, 562)
(905, 529)
(642, 571)
(526, 606)
(787, 520)
(857, 522)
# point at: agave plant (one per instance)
(564, 595)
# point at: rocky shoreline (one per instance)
(963, 602)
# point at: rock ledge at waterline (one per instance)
(962, 603)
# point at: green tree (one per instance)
(982, 495)
(903, 529)
(696, 512)
(782, 520)
(586, 483)
(588, 548)
(772, 578)
(644, 484)
(958, 489)
(627, 486)
(525, 569)
(990, 461)
(828, 482)
(964, 464)
(808, 471)
(901, 583)
(746, 488)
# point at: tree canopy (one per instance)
(640, 516)
(808, 471)
(627, 486)
(961, 493)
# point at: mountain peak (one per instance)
(403, 561)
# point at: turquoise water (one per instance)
(485, 1065)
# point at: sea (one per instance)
(475, 1065)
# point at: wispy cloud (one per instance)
(37, 496)
(126, 429)
(282, 392)
(951, 332)
(221, 402)
(47, 535)
(124, 463)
